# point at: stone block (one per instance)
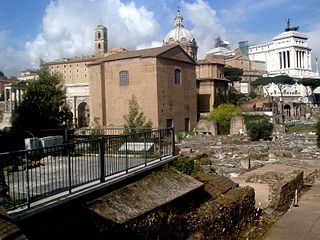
(237, 126)
(245, 163)
(185, 150)
(207, 127)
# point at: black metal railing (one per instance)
(43, 172)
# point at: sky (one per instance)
(31, 30)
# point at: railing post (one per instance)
(173, 142)
(101, 159)
(145, 147)
(3, 186)
(27, 178)
(69, 168)
(160, 151)
(127, 160)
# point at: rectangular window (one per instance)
(169, 123)
(177, 76)
(186, 124)
(124, 78)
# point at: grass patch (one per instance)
(302, 128)
(187, 165)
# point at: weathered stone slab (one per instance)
(237, 126)
(134, 200)
(207, 127)
(9, 230)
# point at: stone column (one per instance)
(19, 97)
(75, 111)
(14, 99)
(5, 100)
(300, 58)
(11, 102)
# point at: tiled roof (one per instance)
(149, 52)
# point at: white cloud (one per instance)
(314, 36)
(206, 25)
(153, 44)
(68, 28)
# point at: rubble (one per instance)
(227, 154)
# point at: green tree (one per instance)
(259, 129)
(228, 97)
(312, 84)
(43, 105)
(1, 74)
(134, 119)
(233, 74)
(280, 80)
(222, 115)
(252, 95)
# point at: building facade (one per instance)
(210, 81)
(75, 74)
(76, 77)
(288, 53)
(162, 80)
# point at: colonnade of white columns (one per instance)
(284, 59)
(298, 59)
(12, 98)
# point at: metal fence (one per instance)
(39, 173)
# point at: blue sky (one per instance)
(34, 29)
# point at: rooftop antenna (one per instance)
(100, 20)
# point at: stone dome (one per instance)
(179, 34)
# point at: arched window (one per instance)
(99, 35)
(99, 45)
(177, 76)
(123, 78)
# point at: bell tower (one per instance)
(101, 40)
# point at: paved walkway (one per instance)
(302, 222)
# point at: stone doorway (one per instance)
(287, 110)
(83, 115)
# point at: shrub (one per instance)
(186, 165)
(223, 115)
(259, 129)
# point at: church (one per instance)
(171, 86)
(98, 88)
